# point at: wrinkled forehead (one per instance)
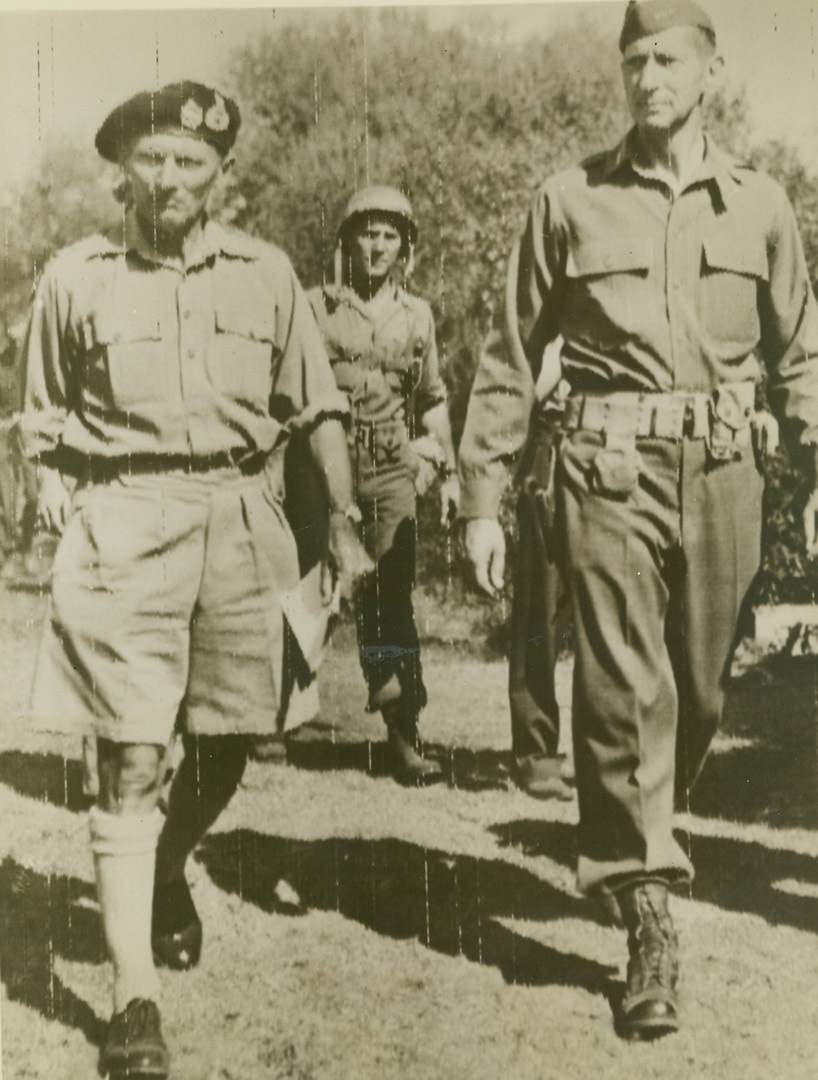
(169, 139)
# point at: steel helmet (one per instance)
(380, 199)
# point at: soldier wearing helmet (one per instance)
(381, 343)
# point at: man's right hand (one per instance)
(53, 499)
(485, 549)
(348, 559)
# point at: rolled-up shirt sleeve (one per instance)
(305, 391)
(503, 393)
(46, 360)
(789, 331)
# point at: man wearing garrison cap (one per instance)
(165, 370)
(675, 276)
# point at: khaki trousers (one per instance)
(657, 579)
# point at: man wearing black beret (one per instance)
(165, 370)
(672, 274)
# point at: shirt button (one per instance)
(190, 354)
(186, 314)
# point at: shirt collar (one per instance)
(716, 166)
(345, 294)
(206, 240)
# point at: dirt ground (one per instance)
(443, 937)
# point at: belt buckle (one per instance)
(689, 420)
(365, 435)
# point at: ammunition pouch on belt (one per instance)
(723, 419)
(731, 410)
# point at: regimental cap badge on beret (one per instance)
(217, 117)
(185, 106)
(645, 17)
(191, 114)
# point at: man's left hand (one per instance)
(348, 558)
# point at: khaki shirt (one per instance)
(126, 354)
(383, 364)
(651, 293)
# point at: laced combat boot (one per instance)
(650, 1007)
(406, 763)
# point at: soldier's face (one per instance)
(375, 247)
(171, 175)
(665, 77)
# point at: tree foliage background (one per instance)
(466, 121)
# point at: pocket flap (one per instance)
(612, 256)
(119, 327)
(736, 255)
(252, 325)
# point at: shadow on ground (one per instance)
(47, 777)
(771, 775)
(41, 918)
(736, 875)
(450, 903)
(315, 747)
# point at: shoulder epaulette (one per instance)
(91, 247)
(594, 159)
(242, 245)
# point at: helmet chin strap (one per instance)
(399, 274)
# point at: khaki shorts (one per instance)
(165, 611)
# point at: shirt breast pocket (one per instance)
(241, 362)
(347, 367)
(732, 270)
(607, 286)
(125, 361)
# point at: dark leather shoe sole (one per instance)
(649, 1020)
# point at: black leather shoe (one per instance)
(650, 1006)
(541, 777)
(176, 931)
(134, 1048)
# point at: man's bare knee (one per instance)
(130, 776)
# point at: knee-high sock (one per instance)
(204, 784)
(124, 848)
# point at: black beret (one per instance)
(653, 16)
(187, 106)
